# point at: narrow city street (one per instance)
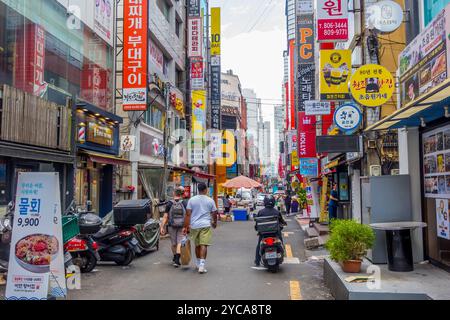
(230, 274)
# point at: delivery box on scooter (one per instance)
(132, 212)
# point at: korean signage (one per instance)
(36, 246)
(306, 136)
(128, 143)
(294, 160)
(386, 16)
(335, 69)
(100, 133)
(305, 25)
(104, 20)
(216, 100)
(309, 167)
(424, 62)
(156, 56)
(135, 48)
(317, 108)
(197, 74)
(306, 84)
(305, 6)
(198, 126)
(215, 32)
(195, 37)
(372, 85)
(332, 20)
(193, 8)
(348, 118)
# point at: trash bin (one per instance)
(399, 250)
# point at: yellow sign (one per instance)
(372, 85)
(215, 32)
(335, 69)
(295, 160)
(198, 114)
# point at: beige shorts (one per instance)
(201, 237)
(176, 235)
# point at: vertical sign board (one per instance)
(36, 257)
(307, 136)
(306, 67)
(197, 74)
(193, 8)
(215, 92)
(292, 73)
(198, 126)
(135, 52)
(215, 32)
(335, 67)
(332, 20)
(195, 37)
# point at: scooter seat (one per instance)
(105, 232)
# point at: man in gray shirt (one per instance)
(201, 216)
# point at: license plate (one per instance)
(134, 242)
(271, 255)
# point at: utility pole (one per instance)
(166, 97)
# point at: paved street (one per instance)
(230, 273)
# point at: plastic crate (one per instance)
(240, 214)
(70, 227)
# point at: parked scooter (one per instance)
(6, 223)
(271, 248)
(83, 249)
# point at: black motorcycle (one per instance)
(271, 247)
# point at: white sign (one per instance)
(104, 20)
(317, 108)
(386, 16)
(156, 56)
(442, 218)
(305, 7)
(348, 118)
(128, 143)
(332, 20)
(195, 37)
(36, 248)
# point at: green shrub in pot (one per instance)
(349, 242)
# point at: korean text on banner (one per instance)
(307, 136)
(135, 52)
(215, 32)
(195, 37)
(198, 126)
(332, 20)
(36, 227)
(335, 68)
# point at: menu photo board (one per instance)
(436, 162)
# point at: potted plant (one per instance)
(349, 242)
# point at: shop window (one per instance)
(178, 27)
(154, 118)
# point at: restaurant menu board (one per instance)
(436, 162)
(36, 257)
(442, 206)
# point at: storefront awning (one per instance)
(429, 107)
(107, 159)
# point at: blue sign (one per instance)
(348, 118)
(309, 167)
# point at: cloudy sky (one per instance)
(253, 41)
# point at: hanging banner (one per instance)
(216, 97)
(135, 48)
(195, 37)
(215, 32)
(198, 126)
(372, 85)
(335, 66)
(36, 257)
(332, 20)
(193, 8)
(197, 74)
(156, 57)
(104, 20)
(307, 136)
(306, 84)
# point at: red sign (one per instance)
(292, 82)
(197, 68)
(195, 37)
(306, 136)
(30, 60)
(135, 54)
(332, 20)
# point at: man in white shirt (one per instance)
(201, 216)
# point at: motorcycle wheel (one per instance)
(128, 258)
(89, 261)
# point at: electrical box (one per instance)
(375, 171)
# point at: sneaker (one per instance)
(202, 270)
(176, 261)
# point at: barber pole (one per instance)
(82, 134)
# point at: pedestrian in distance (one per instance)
(174, 218)
(227, 203)
(295, 205)
(287, 203)
(201, 218)
(333, 203)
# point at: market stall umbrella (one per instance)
(241, 182)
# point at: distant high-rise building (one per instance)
(254, 116)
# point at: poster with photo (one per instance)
(442, 219)
(436, 163)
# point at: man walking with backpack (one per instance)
(174, 218)
(201, 217)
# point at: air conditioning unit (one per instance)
(395, 172)
(375, 171)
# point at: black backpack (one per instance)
(177, 213)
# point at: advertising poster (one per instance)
(156, 56)
(332, 20)
(36, 256)
(436, 163)
(197, 74)
(135, 51)
(309, 167)
(424, 62)
(335, 72)
(198, 126)
(442, 211)
(311, 196)
(104, 20)
(372, 85)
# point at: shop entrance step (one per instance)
(321, 229)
